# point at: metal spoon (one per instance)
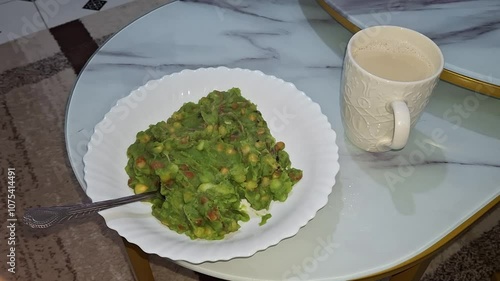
(44, 217)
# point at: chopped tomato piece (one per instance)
(189, 174)
(212, 215)
(156, 165)
(140, 162)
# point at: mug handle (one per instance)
(401, 125)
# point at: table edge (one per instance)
(448, 238)
(447, 75)
(426, 254)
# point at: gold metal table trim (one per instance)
(426, 256)
(458, 79)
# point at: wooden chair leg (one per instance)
(413, 273)
(495, 276)
(204, 277)
(139, 261)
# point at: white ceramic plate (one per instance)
(292, 118)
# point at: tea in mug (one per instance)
(394, 60)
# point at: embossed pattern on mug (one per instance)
(369, 122)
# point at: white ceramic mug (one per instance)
(388, 77)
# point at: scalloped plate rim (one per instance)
(320, 203)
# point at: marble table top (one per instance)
(467, 31)
(385, 208)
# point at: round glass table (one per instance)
(388, 212)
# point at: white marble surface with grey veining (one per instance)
(385, 208)
(467, 31)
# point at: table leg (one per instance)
(413, 273)
(204, 277)
(139, 261)
(495, 276)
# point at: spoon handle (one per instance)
(44, 217)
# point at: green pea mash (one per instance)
(205, 159)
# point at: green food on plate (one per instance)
(205, 159)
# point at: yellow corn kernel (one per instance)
(219, 147)
(224, 170)
(230, 151)
(245, 149)
(250, 185)
(252, 117)
(140, 188)
(222, 131)
(265, 182)
(253, 158)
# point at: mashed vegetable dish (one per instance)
(205, 159)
